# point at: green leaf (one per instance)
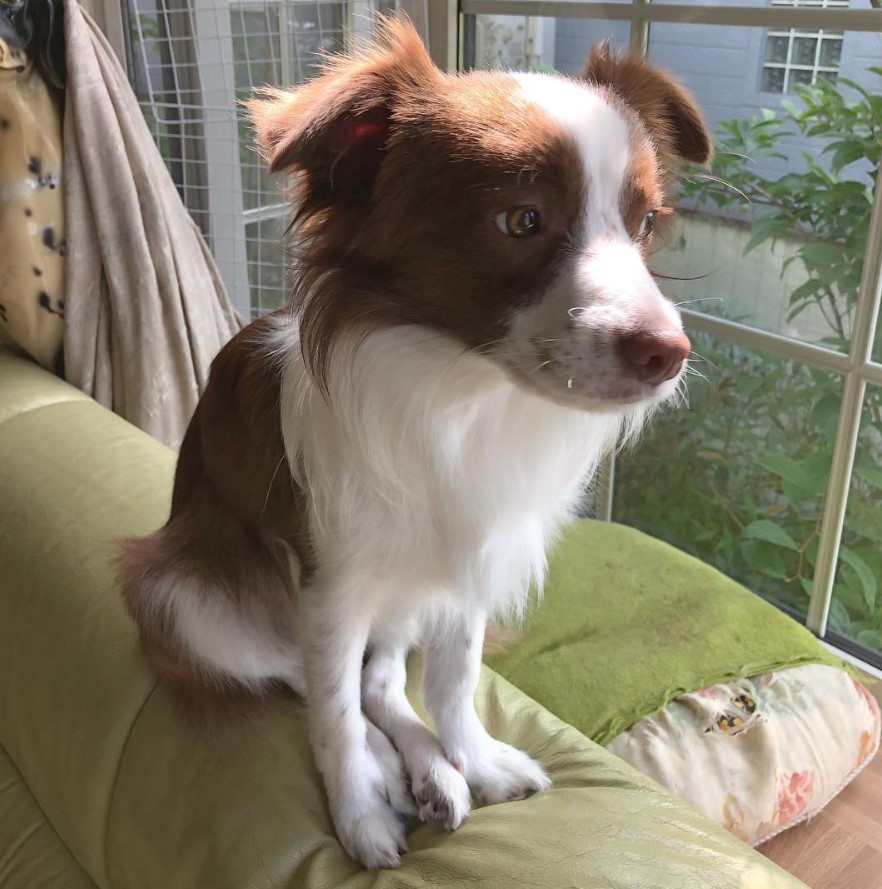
(763, 529)
(817, 468)
(870, 638)
(850, 598)
(863, 572)
(869, 473)
(762, 229)
(839, 619)
(785, 467)
(820, 255)
(825, 415)
(764, 558)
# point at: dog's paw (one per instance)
(375, 838)
(392, 770)
(501, 772)
(441, 793)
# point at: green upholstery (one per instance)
(100, 785)
(628, 623)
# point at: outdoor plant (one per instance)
(740, 479)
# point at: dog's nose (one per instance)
(654, 357)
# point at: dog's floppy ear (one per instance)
(335, 127)
(667, 108)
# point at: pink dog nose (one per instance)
(654, 357)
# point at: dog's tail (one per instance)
(154, 573)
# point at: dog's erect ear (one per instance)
(336, 126)
(667, 108)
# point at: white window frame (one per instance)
(856, 368)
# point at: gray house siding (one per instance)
(722, 66)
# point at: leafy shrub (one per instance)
(740, 479)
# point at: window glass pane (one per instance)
(776, 48)
(266, 267)
(831, 52)
(773, 80)
(856, 608)
(256, 46)
(773, 235)
(738, 478)
(531, 43)
(804, 49)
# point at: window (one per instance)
(797, 57)
(772, 474)
(191, 60)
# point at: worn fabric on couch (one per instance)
(628, 623)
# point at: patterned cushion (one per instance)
(762, 754)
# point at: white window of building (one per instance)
(796, 57)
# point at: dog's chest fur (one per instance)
(433, 473)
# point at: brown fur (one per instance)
(381, 249)
(668, 110)
(235, 512)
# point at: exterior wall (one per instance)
(753, 289)
(721, 65)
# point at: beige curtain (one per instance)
(145, 309)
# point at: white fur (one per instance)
(436, 485)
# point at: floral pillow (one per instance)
(762, 754)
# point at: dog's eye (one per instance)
(646, 227)
(521, 222)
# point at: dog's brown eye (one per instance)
(648, 222)
(521, 222)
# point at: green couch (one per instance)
(101, 786)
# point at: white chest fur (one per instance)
(429, 471)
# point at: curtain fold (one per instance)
(145, 308)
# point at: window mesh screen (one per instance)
(190, 61)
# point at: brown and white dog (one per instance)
(382, 466)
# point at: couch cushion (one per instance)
(141, 802)
(25, 386)
(31, 854)
(628, 623)
(762, 754)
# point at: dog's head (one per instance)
(511, 212)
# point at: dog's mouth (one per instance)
(595, 380)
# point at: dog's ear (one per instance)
(336, 126)
(666, 107)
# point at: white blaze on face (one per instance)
(602, 137)
(567, 340)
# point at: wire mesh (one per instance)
(190, 63)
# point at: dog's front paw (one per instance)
(499, 772)
(375, 838)
(441, 793)
(392, 769)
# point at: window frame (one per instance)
(856, 368)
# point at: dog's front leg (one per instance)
(334, 643)
(440, 791)
(494, 771)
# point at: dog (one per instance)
(382, 466)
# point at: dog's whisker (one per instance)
(694, 355)
(700, 299)
(728, 185)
